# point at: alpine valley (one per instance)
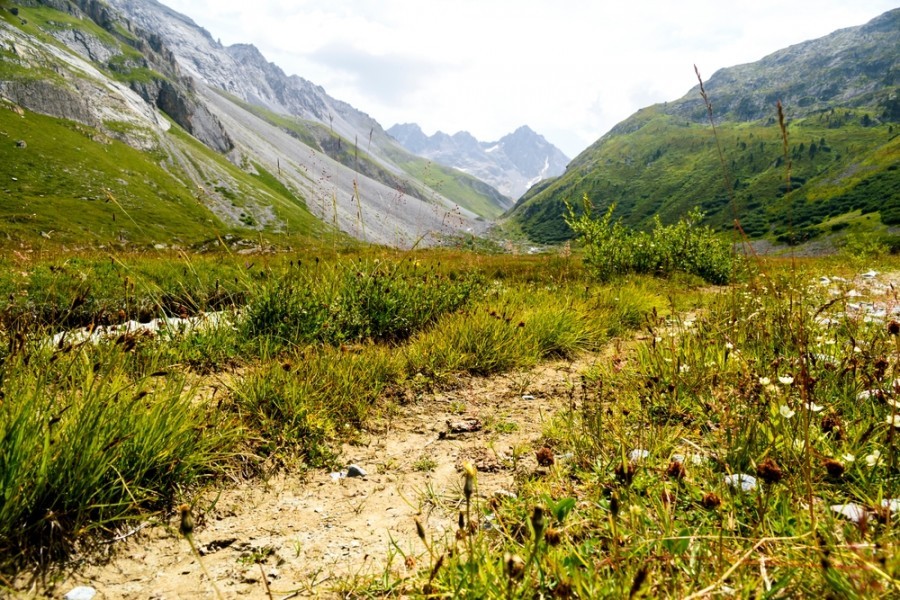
(123, 122)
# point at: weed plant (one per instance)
(354, 301)
(96, 434)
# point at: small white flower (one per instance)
(813, 407)
(785, 411)
(729, 346)
(874, 459)
(892, 402)
(786, 380)
(849, 457)
(657, 339)
(741, 481)
(857, 349)
(764, 381)
(684, 368)
(638, 454)
(894, 420)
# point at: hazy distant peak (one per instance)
(511, 164)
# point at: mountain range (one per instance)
(512, 164)
(836, 169)
(127, 123)
(123, 122)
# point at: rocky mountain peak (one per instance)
(512, 164)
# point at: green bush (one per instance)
(685, 246)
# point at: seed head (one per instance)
(676, 470)
(614, 506)
(625, 472)
(835, 469)
(545, 457)
(469, 484)
(187, 520)
(769, 471)
(711, 501)
(420, 530)
(514, 566)
(537, 521)
(894, 328)
(553, 537)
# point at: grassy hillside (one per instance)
(841, 160)
(67, 183)
(840, 97)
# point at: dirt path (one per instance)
(314, 534)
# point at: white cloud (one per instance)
(570, 70)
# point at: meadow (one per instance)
(740, 438)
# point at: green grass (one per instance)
(110, 193)
(94, 436)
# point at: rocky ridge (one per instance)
(511, 164)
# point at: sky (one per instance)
(569, 69)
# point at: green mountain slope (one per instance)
(70, 184)
(841, 99)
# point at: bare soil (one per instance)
(313, 534)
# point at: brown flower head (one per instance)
(545, 457)
(835, 469)
(676, 470)
(769, 471)
(711, 501)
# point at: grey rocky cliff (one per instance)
(80, 99)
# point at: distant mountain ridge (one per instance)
(512, 164)
(842, 102)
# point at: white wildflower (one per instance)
(894, 420)
(848, 457)
(785, 380)
(729, 346)
(813, 407)
(874, 459)
(746, 483)
(785, 411)
(764, 381)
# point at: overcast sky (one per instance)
(569, 69)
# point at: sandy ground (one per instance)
(314, 534)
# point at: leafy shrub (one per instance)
(685, 246)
